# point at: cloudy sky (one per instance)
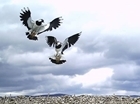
(105, 60)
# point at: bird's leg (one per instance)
(56, 54)
(27, 33)
(33, 33)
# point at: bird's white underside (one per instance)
(36, 29)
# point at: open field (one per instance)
(69, 99)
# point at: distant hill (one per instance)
(52, 95)
(131, 95)
(59, 94)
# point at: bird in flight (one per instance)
(37, 27)
(61, 47)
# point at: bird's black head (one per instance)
(39, 22)
(58, 45)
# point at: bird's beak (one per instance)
(42, 20)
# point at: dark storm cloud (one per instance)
(126, 85)
(7, 71)
(123, 53)
(126, 77)
(115, 48)
(8, 76)
(14, 79)
(124, 48)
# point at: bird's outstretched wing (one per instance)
(70, 41)
(53, 24)
(26, 19)
(50, 40)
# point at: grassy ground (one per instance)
(68, 99)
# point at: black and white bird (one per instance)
(61, 47)
(37, 27)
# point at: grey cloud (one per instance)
(9, 14)
(125, 48)
(14, 79)
(126, 85)
(126, 77)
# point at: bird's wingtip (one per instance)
(27, 8)
(80, 33)
(60, 18)
(46, 38)
(24, 8)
